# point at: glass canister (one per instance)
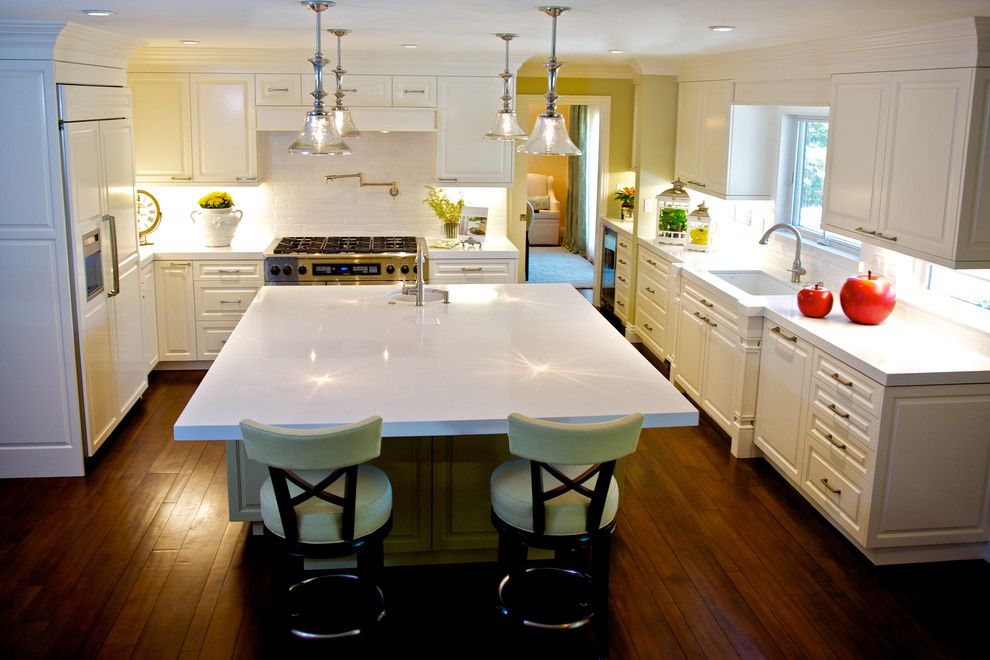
(673, 205)
(699, 229)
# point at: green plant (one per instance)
(449, 212)
(626, 195)
(216, 200)
(672, 219)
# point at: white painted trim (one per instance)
(536, 69)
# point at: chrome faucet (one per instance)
(420, 283)
(796, 270)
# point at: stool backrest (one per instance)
(337, 450)
(547, 444)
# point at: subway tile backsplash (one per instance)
(294, 199)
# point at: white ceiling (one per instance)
(643, 28)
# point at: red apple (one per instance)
(867, 299)
(815, 300)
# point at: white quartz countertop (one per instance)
(314, 356)
(250, 247)
(491, 248)
(908, 348)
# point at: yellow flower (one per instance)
(216, 200)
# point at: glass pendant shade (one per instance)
(506, 127)
(549, 137)
(319, 137)
(343, 124)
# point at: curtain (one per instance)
(576, 207)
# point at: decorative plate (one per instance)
(149, 214)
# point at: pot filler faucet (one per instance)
(796, 270)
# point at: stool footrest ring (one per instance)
(334, 606)
(547, 597)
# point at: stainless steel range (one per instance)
(343, 260)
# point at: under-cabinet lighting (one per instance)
(616, 51)
(410, 45)
(98, 12)
(721, 28)
(189, 42)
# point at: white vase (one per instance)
(217, 226)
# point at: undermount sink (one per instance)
(429, 295)
(755, 282)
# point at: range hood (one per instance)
(289, 118)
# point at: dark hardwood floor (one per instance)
(713, 557)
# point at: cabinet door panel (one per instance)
(176, 312)
(691, 345)
(99, 376)
(464, 156)
(857, 139)
(714, 154)
(929, 112)
(721, 377)
(132, 376)
(689, 109)
(781, 401)
(163, 134)
(223, 122)
(118, 167)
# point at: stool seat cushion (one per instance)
(512, 499)
(320, 521)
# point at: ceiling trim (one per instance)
(69, 42)
(535, 69)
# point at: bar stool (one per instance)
(567, 471)
(321, 501)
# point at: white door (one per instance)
(118, 179)
(223, 127)
(163, 133)
(690, 99)
(464, 156)
(132, 374)
(714, 132)
(176, 311)
(722, 376)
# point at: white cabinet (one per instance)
(176, 310)
(716, 360)
(280, 89)
(199, 303)
(128, 334)
(624, 270)
(472, 271)
(414, 91)
(149, 317)
(365, 91)
(653, 308)
(906, 163)
(785, 367)
(195, 127)
(722, 149)
(464, 156)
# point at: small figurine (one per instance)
(470, 243)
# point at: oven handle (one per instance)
(114, 266)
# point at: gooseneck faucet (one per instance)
(420, 283)
(796, 270)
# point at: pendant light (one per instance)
(549, 135)
(506, 126)
(319, 136)
(341, 116)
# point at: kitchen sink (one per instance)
(429, 295)
(755, 282)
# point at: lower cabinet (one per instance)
(904, 472)
(472, 271)
(653, 309)
(199, 303)
(149, 316)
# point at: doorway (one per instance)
(559, 239)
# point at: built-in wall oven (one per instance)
(312, 260)
(607, 285)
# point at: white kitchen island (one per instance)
(444, 378)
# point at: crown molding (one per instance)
(65, 42)
(960, 43)
(195, 59)
(32, 40)
(655, 66)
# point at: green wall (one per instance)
(622, 93)
(657, 117)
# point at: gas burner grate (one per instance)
(345, 245)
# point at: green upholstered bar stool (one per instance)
(322, 501)
(560, 495)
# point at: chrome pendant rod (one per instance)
(317, 60)
(339, 71)
(506, 75)
(552, 65)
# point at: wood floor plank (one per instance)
(140, 601)
(191, 499)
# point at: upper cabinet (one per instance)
(195, 127)
(464, 157)
(907, 163)
(723, 150)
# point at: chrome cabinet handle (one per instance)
(622, 261)
(864, 230)
(352, 91)
(834, 491)
(114, 257)
(841, 380)
(783, 335)
(884, 236)
(246, 178)
(649, 289)
(236, 301)
(477, 269)
(176, 264)
(277, 89)
(446, 178)
(838, 411)
(621, 244)
(705, 302)
(651, 262)
(836, 443)
(180, 178)
(697, 183)
(648, 328)
(414, 91)
(229, 270)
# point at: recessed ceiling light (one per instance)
(616, 51)
(721, 28)
(189, 42)
(410, 45)
(97, 12)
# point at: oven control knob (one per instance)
(274, 270)
(287, 270)
(390, 269)
(302, 270)
(404, 269)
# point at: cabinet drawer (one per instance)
(652, 289)
(848, 384)
(459, 271)
(211, 336)
(838, 495)
(621, 305)
(367, 91)
(656, 267)
(650, 325)
(842, 452)
(847, 419)
(223, 302)
(278, 89)
(714, 307)
(239, 272)
(623, 260)
(622, 279)
(414, 91)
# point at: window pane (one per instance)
(971, 286)
(809, 173)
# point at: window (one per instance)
(804, 143)
(971, 286)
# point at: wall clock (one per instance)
(149, 214)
